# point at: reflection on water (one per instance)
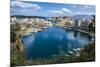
(75, 33)
(47, 42)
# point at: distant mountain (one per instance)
(78, 17)
(23, 16)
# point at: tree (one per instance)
(91, 26)
(12, 37)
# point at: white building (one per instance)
(13, 20)
(47, 23)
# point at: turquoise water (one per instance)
(51, 40)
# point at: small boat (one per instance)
(78, 49)
(75, 49)
(70, 52)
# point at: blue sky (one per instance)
(49, 9)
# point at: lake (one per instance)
(48, 42)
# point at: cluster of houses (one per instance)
(36, 24)
(62, 21)
(83, 23)
(29, 25)
(71, 22)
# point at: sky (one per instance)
(30, 8)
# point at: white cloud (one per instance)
(56, 11)
(83, 6)
(61, 11)
(85, 13)
(86, 6)
(24, 5)
(66, 10)
(23, 12)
